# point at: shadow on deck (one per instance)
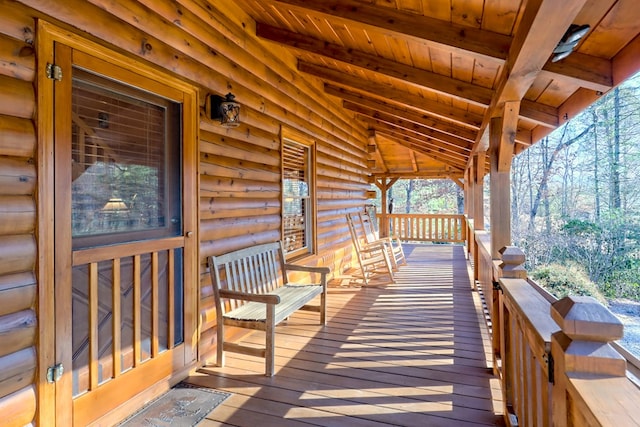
(413, 353)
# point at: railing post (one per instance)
(582, 347)
(511, 267)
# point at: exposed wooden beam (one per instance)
(523, 137)
(414, 162)
(448, 141)
(537, 113)
(422, 174)
(458, 182)
(456, 162)
(461, 39)
(540, 114)
(425, 108)
(408, 114)
(543, 24)
(459, 89)
(425, 141)
(582, 70)
(625, 63)
(376, 155)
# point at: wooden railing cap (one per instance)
(512, 255)
(584, 318)
(512, 265)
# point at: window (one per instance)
(298, 195)
(125, 163)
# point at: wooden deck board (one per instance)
(410, 353)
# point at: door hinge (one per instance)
(54, 72)
(54, 373)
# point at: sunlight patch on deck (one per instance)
(393, 353)
(372, 364)
(378, 392)
(432, 408)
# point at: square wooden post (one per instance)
(582, 347)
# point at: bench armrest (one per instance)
(244, 296)
(296, 267)
(323, 271)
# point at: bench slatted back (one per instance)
(256, 270)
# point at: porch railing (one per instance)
(556, 360)
(435, 228)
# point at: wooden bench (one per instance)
(252, 291)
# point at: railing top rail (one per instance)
(532, 307)
(405, 215)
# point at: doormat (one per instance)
(184, 405)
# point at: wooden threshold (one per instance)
(413, 353)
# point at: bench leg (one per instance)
(220, 348)
(270, 332)
(323, 308)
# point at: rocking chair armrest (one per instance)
(373, 246)
(382, 240)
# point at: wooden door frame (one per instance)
(51, 405)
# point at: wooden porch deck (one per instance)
(412, 353)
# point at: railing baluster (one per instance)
(429, 227)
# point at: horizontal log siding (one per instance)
(18, 250)
(240, 167)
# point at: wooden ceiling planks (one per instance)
(614, 31)
(454, 61)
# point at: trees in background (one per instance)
(577, 197)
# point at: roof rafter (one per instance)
(426, 108)
(446, 141)
(419, 140)
(543, 24)
(409, 142)
(530, 110)
(422, 174)
(461, 39)
(465, 91)
(586, 71)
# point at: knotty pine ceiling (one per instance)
(426, 76)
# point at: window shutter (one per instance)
(296, 196)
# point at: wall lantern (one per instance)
(226, 109)
(569, 41)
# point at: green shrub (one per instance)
(564, 280)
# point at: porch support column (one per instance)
(468, 203)
(384, 186)
(478, 163)
(467, 192)
(502, 135)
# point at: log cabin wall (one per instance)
(240, 171)
(18, 249)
